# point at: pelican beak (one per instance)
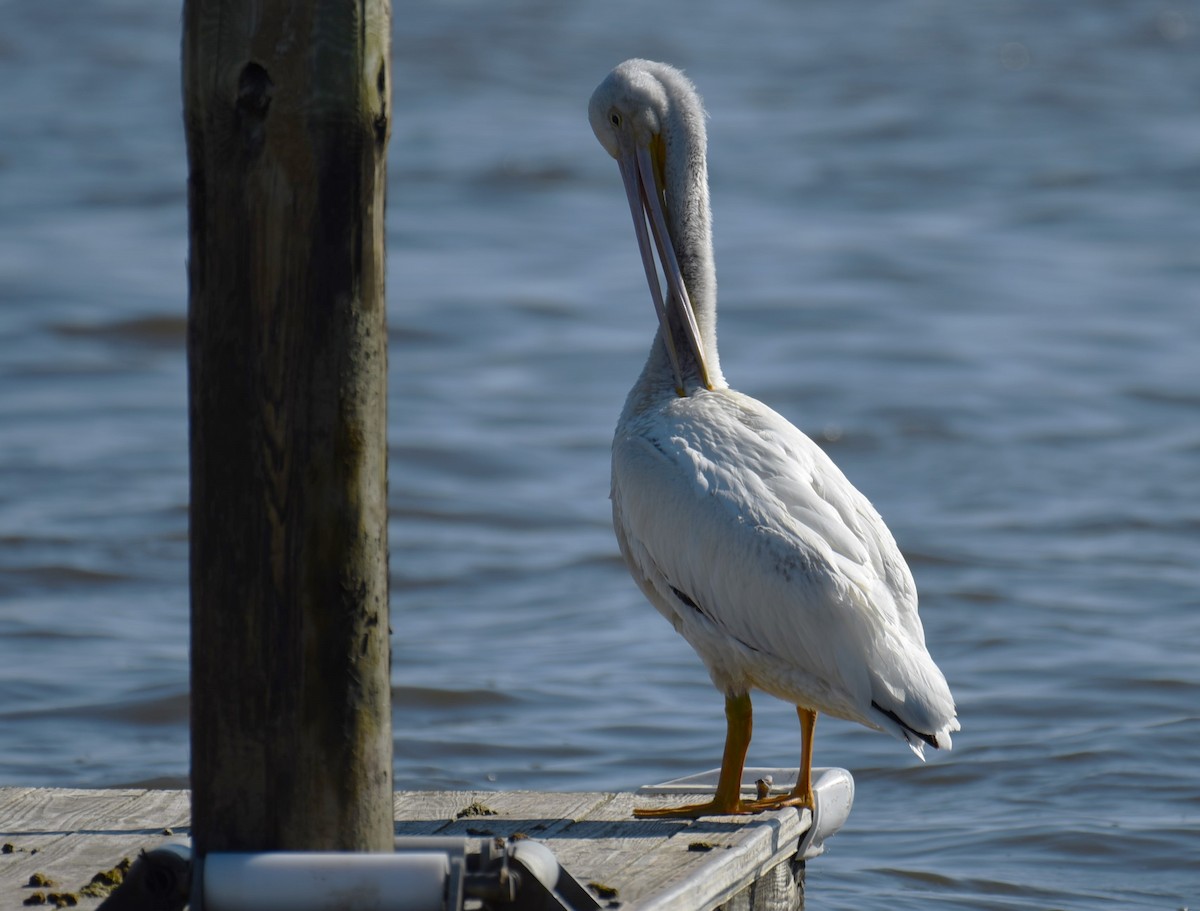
(645, 197)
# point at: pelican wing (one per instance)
(776, 569)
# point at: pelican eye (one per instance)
(615, 119)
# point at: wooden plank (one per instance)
(529, 813)
(743, 855)
(676, 864)
(70, 835)
(654, 865)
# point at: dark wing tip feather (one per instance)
(930, 739)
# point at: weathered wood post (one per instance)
(286, 108)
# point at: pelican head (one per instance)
(648, 117)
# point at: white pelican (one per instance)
(736, 526)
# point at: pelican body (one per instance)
(734, 524)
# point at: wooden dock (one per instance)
(68, 836)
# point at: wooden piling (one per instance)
(286, 108)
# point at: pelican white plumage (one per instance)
(736, 526)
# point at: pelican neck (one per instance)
(689, 219)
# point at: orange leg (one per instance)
(802, 794)
(728, 799)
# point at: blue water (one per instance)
(957, 244)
